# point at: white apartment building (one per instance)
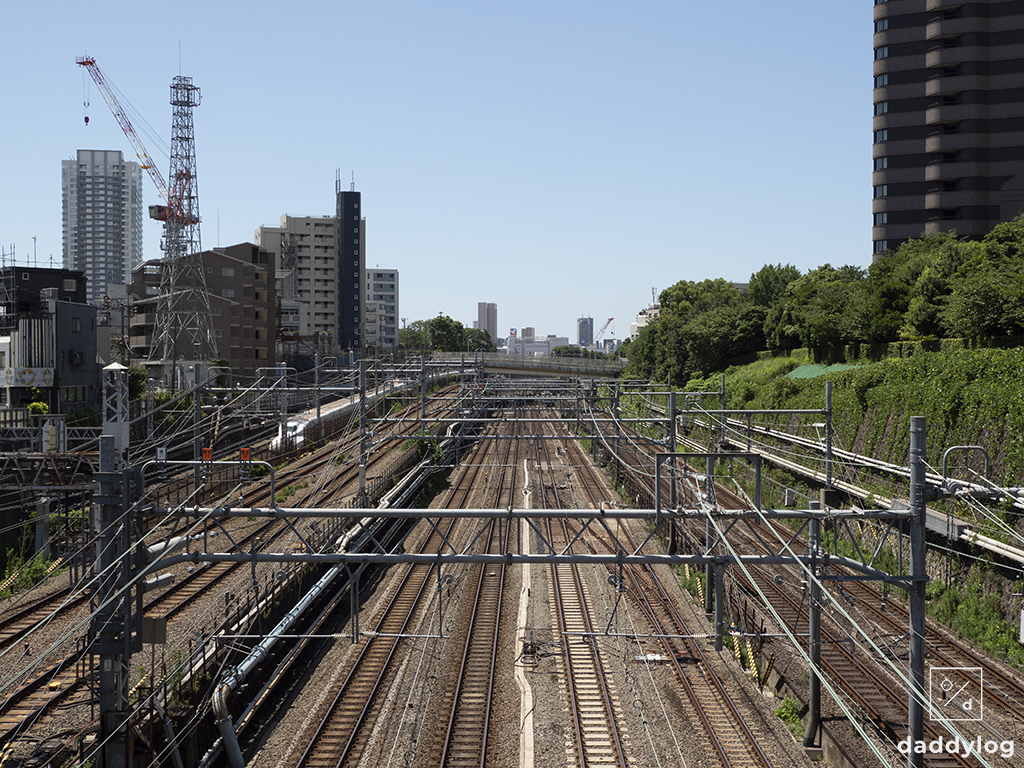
(102, 219)
(380, 318)
(643, 317)
(306, 260)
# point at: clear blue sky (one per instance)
(558, 158)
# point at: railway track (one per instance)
(344, 728)
(729, 735)
(589, 692)
(66, 683)
(467, 735)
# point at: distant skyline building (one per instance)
(585, 331)
(487, 318)
(948, 147)
(101, 196)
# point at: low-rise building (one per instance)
(243, 307)
(47, 339)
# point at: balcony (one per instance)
(949, 171)
(953, 113)
(951, 142)
(948, 57)
(936, 29)
(947, 86)
(943, 5)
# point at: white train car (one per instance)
(292, 432)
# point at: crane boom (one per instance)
(600, 333)
(126, 125)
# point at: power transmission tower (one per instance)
(184, 329)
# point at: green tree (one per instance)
(479, 340)
(769, 283)
(679, 304)
(642, 352)
(813, 309)
(446, 335)
(137, 376)
(414, 336)
(714, 337)
(987, 289)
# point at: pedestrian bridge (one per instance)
(535, 365)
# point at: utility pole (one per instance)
(814, 628)
(915, 705)
(111, 624)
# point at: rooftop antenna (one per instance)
(353, 187)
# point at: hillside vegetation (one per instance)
(928, 292)
(967, 396)
(935, 329)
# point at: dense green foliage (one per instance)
(442, 334)
(968, 397)
(21, 573)
(935, 288)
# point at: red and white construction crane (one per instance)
(145, 161)
(599, 334)
(183, 326)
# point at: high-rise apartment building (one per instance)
(948, 117)
(380, 319)
(351, 263)
(102, 218)
(585, 331)
(320, 263)
(306, 264)
(487, 318)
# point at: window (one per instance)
(76, 325)
(881, 190)
(880, 219)
(882, 108)
(882, 135)
(881, 163)
(881, 52)
(228, 272)
(70, 284)
(881, 80)
(881, 25)
(881, 246)
(228, 292)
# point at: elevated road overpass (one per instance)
(536, 365)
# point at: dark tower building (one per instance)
(351, 257)
(948, 117)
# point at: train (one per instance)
(292, 432)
